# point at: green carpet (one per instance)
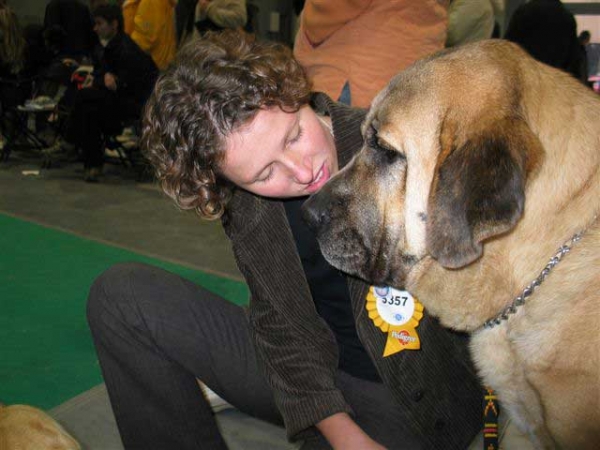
(46, 352)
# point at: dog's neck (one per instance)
(531, 288)
(563, 194)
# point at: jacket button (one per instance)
(439, 425)
(418, 395)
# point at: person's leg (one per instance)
(155, 334)
(85, 125)
(74, 101)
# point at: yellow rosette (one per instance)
(396, 313)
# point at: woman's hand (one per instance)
(343, 433)
(110, 81)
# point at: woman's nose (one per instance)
(300, 167)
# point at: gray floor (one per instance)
(89, 419)
(136, 216)
(119, 210)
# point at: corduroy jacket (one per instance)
(436, 385)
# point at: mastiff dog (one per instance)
(478, 191)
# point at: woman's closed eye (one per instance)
(271, 169)
(298, 135)
(267, 177)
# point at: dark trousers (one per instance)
(156, 334)
(96, 113)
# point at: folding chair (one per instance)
(14, 94)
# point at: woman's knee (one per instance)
(113, 291)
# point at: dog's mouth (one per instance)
(353, 254)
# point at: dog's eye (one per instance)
(387, 151)
(382, 147)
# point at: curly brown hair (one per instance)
(217, 84)
(12, 42)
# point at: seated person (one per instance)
(17, 69)
(115, 92)
(13, 52)
(70, 21)
(234, 132)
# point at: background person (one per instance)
(473, 20)
(351, 49)
(15, 66)
(13, 47)
(234, 133)
(584, 39)
(73, 18)
(151, 24)
(122, 81)
(548, 32)
(218, 15)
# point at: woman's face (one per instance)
(280, 154)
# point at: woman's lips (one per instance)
(320, 179)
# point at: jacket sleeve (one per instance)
(321, 18)
(146, 24)
(136, 70)
(295, 347)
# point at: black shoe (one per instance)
(92, 175)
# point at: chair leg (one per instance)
(123, 156)
(5, 152)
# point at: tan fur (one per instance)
(26, 428)
(451, 112)
(544, 361)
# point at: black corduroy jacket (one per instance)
(436, 386)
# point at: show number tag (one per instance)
(396, 313)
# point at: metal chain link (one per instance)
(526, 293)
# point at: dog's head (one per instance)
(443, 167)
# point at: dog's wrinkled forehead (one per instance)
(444, 86)
(402, 90)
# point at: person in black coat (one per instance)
(115, 92)
(73, 18)
(548, 32)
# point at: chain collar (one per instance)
(526, 293)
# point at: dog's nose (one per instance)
(315, 211)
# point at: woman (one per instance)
(15, 88)
(12, 43)
(235, 133)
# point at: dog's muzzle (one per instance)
(315, 212)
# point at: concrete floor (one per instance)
(120, 211)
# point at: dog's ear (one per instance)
(478, 188)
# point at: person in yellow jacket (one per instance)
(151, 24)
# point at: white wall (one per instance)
(585, 22)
